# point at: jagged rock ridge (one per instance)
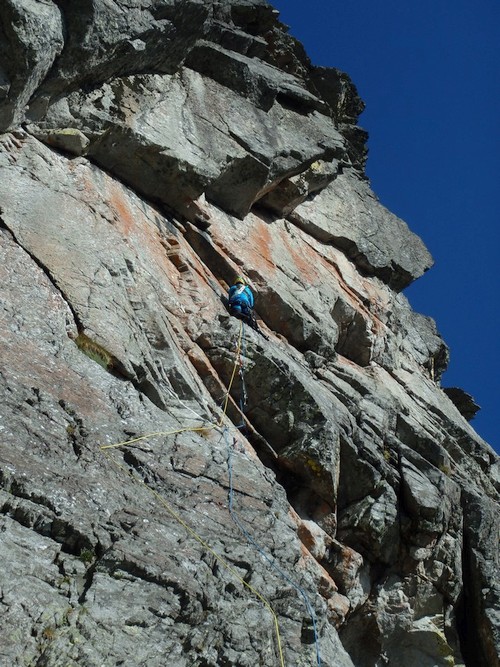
(151, 152)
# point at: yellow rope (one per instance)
(207, 426)
(177, 517)
(199, 539)
(235, 365)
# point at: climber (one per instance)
(241, 303)
(241, 300)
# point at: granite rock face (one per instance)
(175, 488)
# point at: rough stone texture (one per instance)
(31, 37)
(170, 147)
(348, 215)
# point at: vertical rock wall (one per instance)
(314, 498)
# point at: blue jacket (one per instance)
(238, 296)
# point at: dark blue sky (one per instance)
(429, 73)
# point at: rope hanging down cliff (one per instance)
(178, 518)
(208, 548)
(238, 522)
(238, 364)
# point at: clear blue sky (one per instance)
(429, 73)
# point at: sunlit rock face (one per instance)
(311, 498)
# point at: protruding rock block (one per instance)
(347, 214)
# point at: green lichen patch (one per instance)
(94, 351)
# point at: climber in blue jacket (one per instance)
(241, 300)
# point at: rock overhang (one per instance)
(247, 159)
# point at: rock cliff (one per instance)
(175, 488)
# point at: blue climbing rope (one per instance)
(250, 539)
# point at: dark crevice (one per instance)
(72, 542)
(148, 575)
(291, 474)
(305, 500)
(148, 389)
(300, 105)
(45, 270)
(465, 621)
(77, 448)
(263, 449)
(468, 607)
(17, 489)
(91, 348)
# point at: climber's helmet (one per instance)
(239, 280)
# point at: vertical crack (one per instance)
(44, 268)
